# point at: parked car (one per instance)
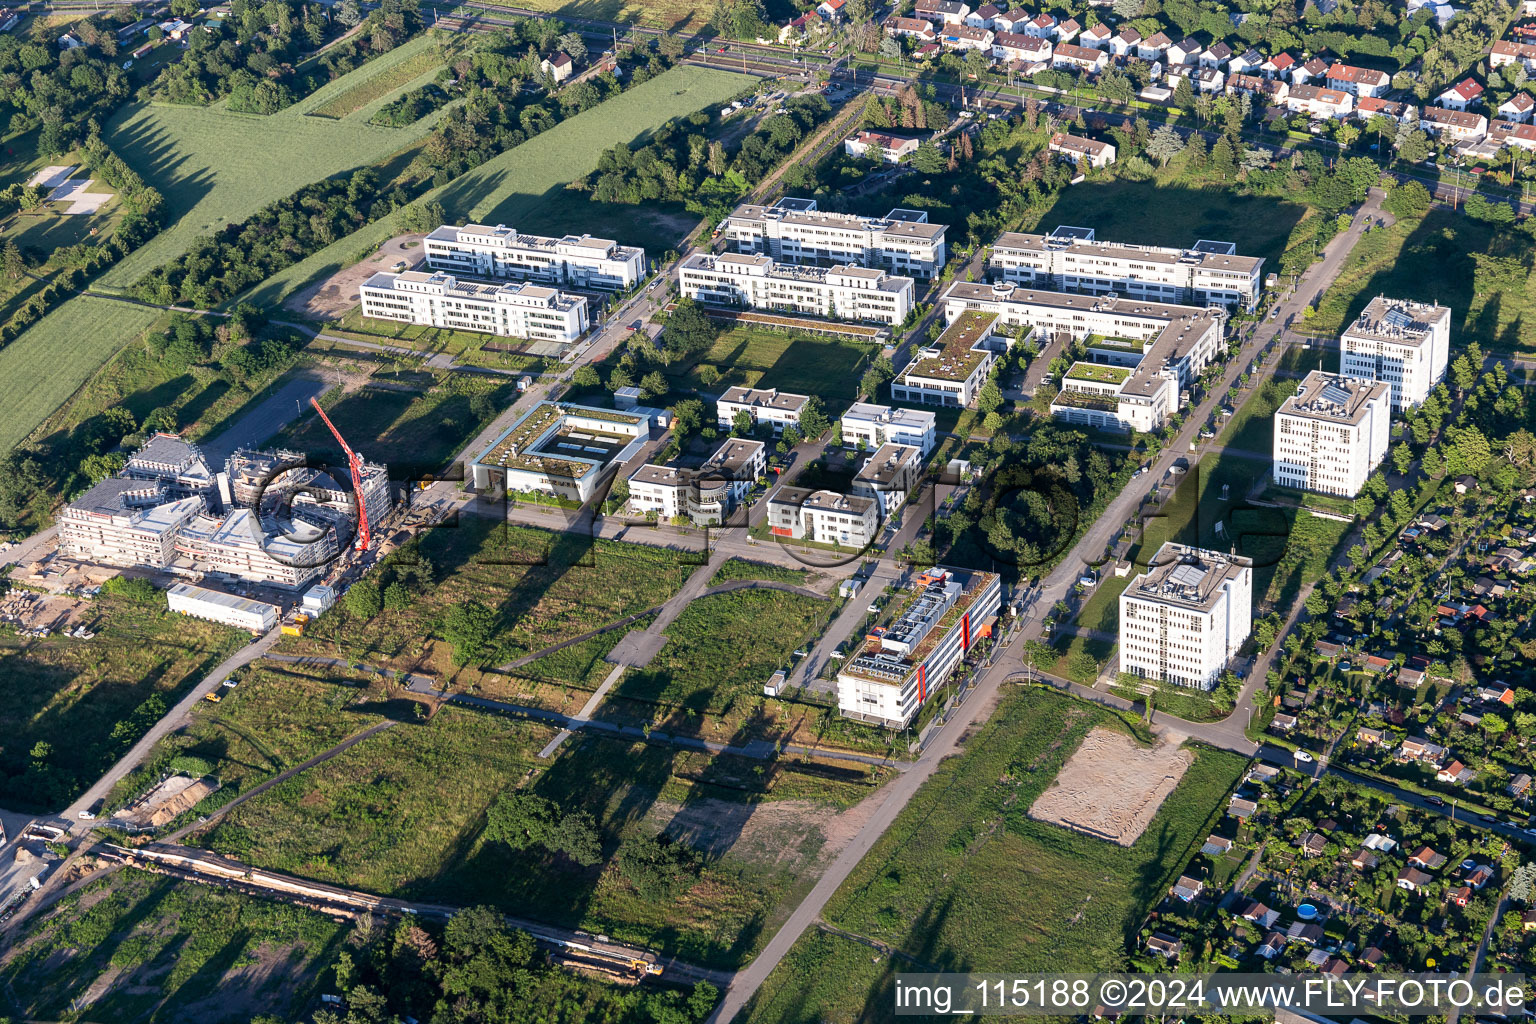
(1434, 801)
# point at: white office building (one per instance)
(202, 603)
(1070, 259)
(1332, 433)
(763, 405)
(795, 231)
(708, 494)
(876, 425)
(952, 370)
(889, 476)
(888, 680)
(1184, 619)
(562, 449)
(525, 310)
(824, 517)
(1404, 343)
(758, 282)
(1141, 354)
(576, 261)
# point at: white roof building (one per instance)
(795, 231)
(525, 310)
(759, 282)
(877, 425)
(1331, 434)
(1184, 619)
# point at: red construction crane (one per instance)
(355, 464)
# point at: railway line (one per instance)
(577, 949)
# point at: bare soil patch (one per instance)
(1112, 786)
(166, 801)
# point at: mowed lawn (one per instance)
(50, 360)
(1147, 213)
(755, 357)
(523, 186)
(217, 168)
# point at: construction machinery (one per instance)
(355, 465)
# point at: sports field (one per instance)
(50, 360)
(217, 168)
(517, 183)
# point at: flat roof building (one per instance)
(823, 517)
(1184, 619)
(1404, 343)
(952, 370)
(763, 405)
(1141, 353)
(562, 449)
(525, 310)
(706, 495)
(237, 547)
(876, 425)
(900, 668)
(577, 261)
(125, 523)
(202, 603)
(795, 231)
(1072, 260)
(1332, 433)
(889, 476)
(758, 282)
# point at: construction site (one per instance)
(1112, 786)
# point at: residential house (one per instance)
(1367, 107)
(1125, 42)
(1370, 737)
(1238, 807)
(1506, 52)
(1417, 748)
(1273, 945)
(1377, 841)
(1096, 37)
(832, 10)
(964, 37)
(1312, 844)
(949, 12)
(1164, 945)
(982, 17)
(1517, 108)
(1358, 81)
(1498, 693)
(1185, 52)
(1215, 846)
(1009, 21)
(1364, 860)
(1042, 25)
(1153, 47)
(558, 67)
(893, 148)
(1187, 888)
(1459, 895)
(1410, 677)
(1283, 722)
(913, 28)
(1456, 773)
(1426, 857)
(1314, 70)
(1512, 134)
(1249, 62)
(1204, 80)
(1461, 95)
(1480, 876)
(1278, 66)
(1317, 101)
(1075, 148)
(1258, 913)
(1308, 932)
(1271, 90)
(1215, 55)
(1413, 879)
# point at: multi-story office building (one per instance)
(795, 231)
(889, 476)
(1182, 621)
(1405, 343)
(876, 425)
(825, 517)
(125, 522)
(895, 673)
(708, 494)
(1332, 433)
(526, 310)
(1141, 354)
(763, 405)
(577, 261)
(952, 370)
(758, 282)
(1070, 259)
(562, 449)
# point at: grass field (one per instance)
(150, 948)
(87, 701)
(1173, 214)
(741, 569)
(1253, 427)
(669, 14)
(543, 588)
(752, 357)
(216, 168)
(278, 716)
(50, 360)
(391, 72)
(964, 879)
(723, 648)
(528, 181)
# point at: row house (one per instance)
(1270, 90)
(913, 28)
(1080, 58)
(1009, 46)
(1314, 70)
(1201, 79)
(984, 16)
(964, 37)
(1507, 52)
(1461, 95)
(1513, 134)
(1317, 101)
(1517, 108)
(1358, 81)
(1454, 125)
(1370, 106)
(948, 12)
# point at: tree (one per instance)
(349, 14)
(813, 419)
(1183, 94)
(890, 49)
(15, 265)
(573, 45)
(742, 423)
(1463, 373)
(653, 384)
(989, 398)
(586, 377)
(1413, 146)
(1468, 451)
(469, 627)
(1195, 147)
(396, 597)
(1166, 144)
(1402, 458)
(1223, 158)
(363, 600)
